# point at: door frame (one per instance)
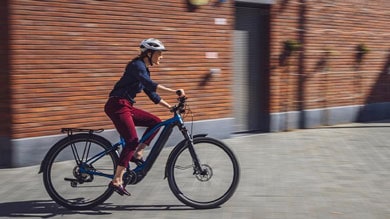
(260, 118)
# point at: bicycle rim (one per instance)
(63, 180)
(216, 185)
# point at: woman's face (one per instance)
(157, 56)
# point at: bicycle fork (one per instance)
(190, 141)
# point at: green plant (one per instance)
(292, 45)
(289, 47)
(362, 49)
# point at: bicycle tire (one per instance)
(56, 159)
(180, 161)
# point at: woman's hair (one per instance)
(142, 55)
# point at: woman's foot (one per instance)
(137, 161)
(117, 183)
(119, 188)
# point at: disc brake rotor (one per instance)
(206, 174)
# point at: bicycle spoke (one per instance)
(75, 154)
(86, 150)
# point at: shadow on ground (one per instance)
(48, 209)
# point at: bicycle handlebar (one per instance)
(179, 108)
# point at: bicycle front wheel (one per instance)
(73, 182)
(214, 184)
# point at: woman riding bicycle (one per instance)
(120, 106)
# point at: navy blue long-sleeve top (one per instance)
(135, 79)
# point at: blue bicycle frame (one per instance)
(168, 124)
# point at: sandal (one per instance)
(139, 162)
(119, 189)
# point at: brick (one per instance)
(65, 56)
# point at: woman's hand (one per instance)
(180, 93)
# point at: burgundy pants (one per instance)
(125, 118)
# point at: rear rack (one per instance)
(70, 131)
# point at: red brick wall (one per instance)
(67, 55)
(326, 73)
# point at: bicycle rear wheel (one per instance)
(64, 174)
(211, 187)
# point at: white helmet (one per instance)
(152, 44)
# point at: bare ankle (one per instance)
(138, 155)
(140, 150)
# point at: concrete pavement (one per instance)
(330, 172)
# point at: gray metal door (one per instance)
(250, 70)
